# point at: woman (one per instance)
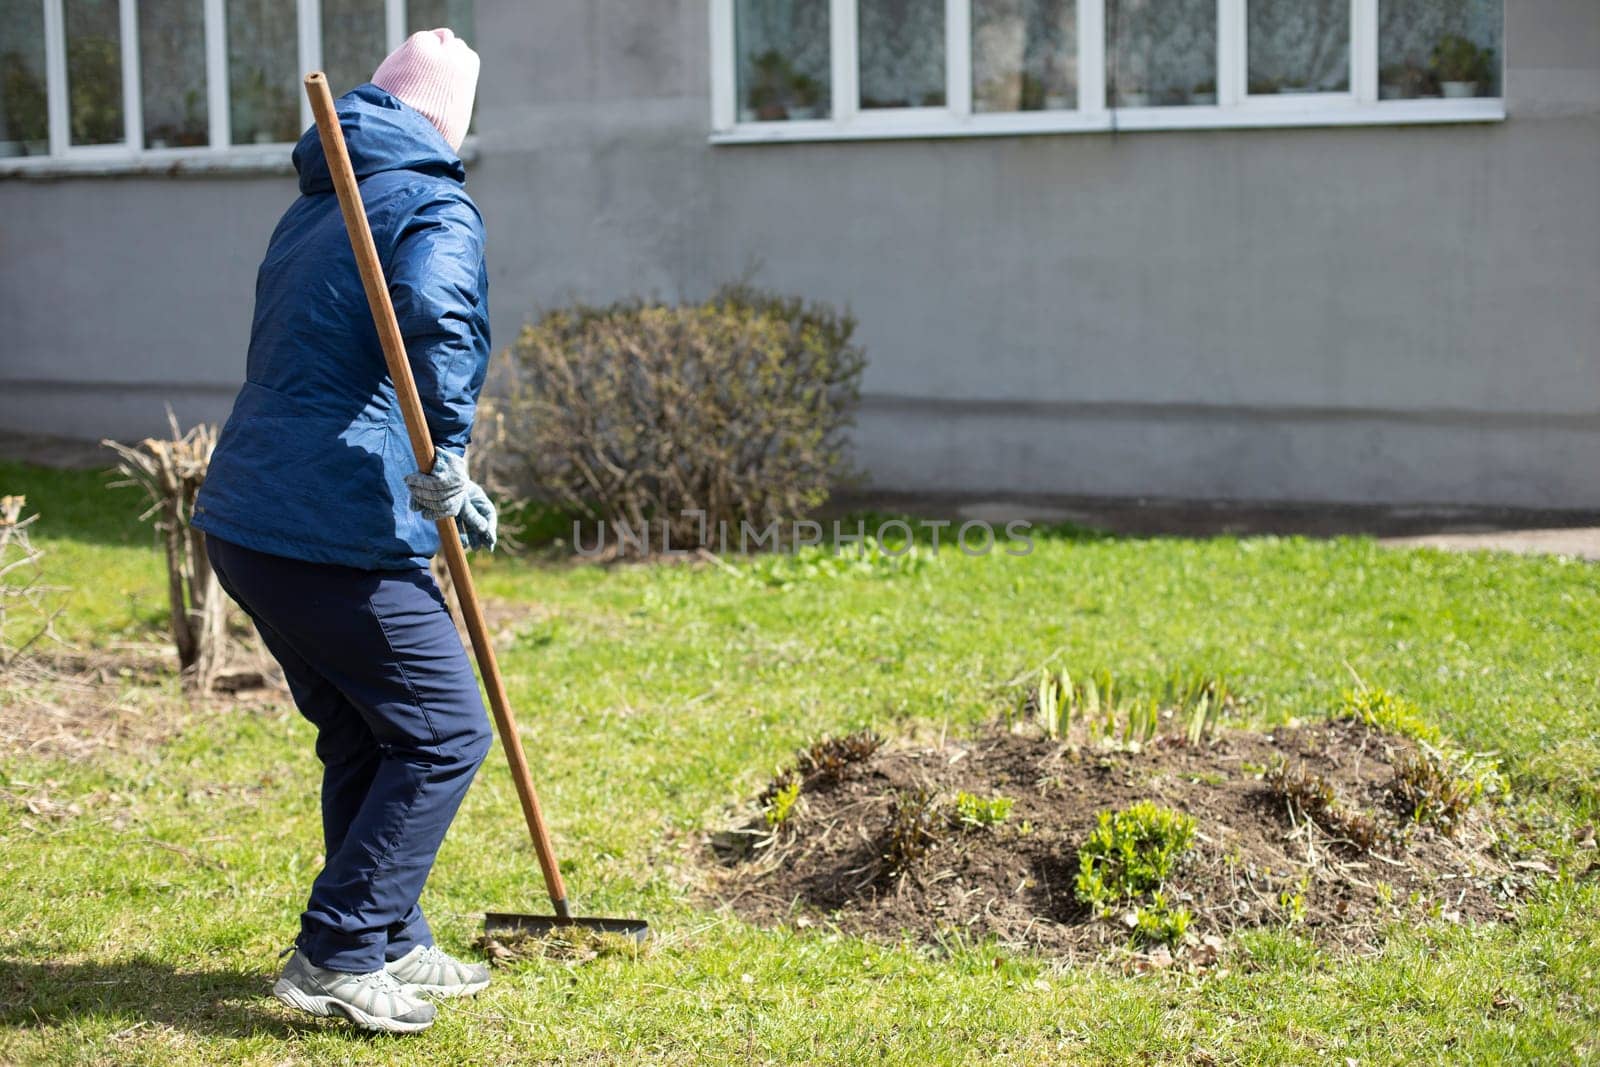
(321, 528)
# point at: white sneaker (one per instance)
(373, 1001)
(427, 969)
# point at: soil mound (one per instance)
(1328, 827)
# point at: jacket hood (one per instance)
(382, 133)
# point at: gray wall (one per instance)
(1393, 314)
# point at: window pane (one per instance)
(783, 59)
(353, 40)
(1438, 48)
(263, 71)
(438, 14)
(902, 53)
(172, 72)
(1024, 55)
(1161, 52)
(1299, 46)
(24, 118)
(94, 71)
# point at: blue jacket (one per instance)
(312, 461)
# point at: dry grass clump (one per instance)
(575, 944)
(917, 824)
(26, 616)
(1310, 797)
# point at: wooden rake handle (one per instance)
(405, 387)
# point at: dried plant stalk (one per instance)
(171, 471)
(22, 590)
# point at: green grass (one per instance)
(143, 928)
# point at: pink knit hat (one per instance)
(435, 72)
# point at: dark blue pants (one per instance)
(374, 661)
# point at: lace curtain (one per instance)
(94, 71)
(263, 71)
(1161, 52)
(353, 42)
(902, 53)
(1298, 46)
(1024, 55)
(172, 73)
(24, 117)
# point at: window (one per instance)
(783, 60)
(113, 82)
(820, 69)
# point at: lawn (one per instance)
(149, 887)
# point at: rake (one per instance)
(394, 354)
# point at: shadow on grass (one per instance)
(218, 1002)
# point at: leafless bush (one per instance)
(26, 617)
(171, 471)
(636, 413)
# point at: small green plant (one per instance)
(973, 811)
(1109, 712)
(1310, 797)
(807, 90)
(780, 809)
(916, 826)
(829, 759)
(1389, 712)
(1293, 905)
(1159, 923)
(1434, 788)
(1130, 852)
(1456, 59)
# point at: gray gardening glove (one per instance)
(477, 519)
(447, 493)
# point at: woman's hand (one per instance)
(447, 493)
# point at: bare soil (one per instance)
(1254, 862)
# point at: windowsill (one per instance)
(112, 161)
(1255, 113)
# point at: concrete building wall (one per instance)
(1381, 314)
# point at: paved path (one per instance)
(1582, 542)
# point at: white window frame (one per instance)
(1235, 107)
(132, 154)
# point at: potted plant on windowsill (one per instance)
(806, 93)
(1461, 66)
(1204, 93)
(1132, 97)
(773, 82)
